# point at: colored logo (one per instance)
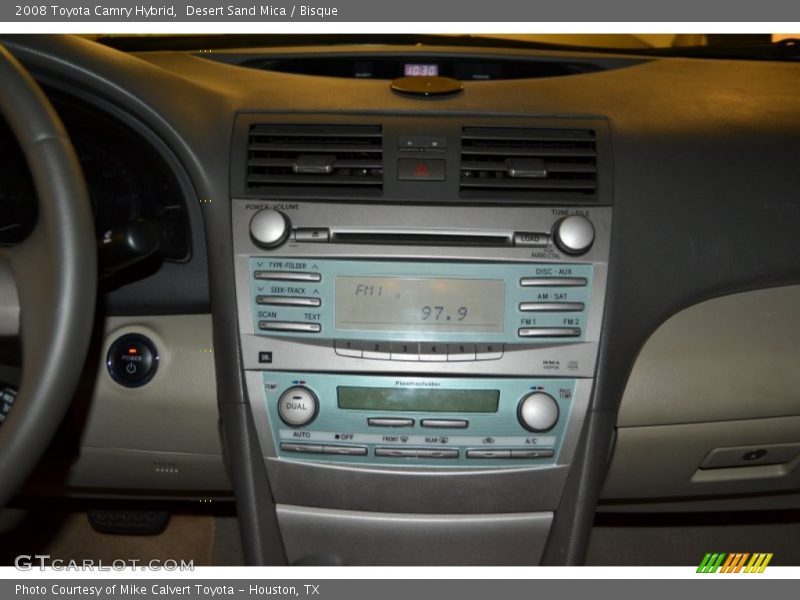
(736, 562)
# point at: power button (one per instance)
(132, 360)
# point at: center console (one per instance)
(418, 363)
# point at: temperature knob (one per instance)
(298, 406)
(537, 412)
(574, 235)
(269, 228)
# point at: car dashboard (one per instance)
(400, 323)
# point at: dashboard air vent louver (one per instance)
(316, 158)
(529, 164)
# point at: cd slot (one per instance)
(402, 238)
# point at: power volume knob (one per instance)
(574, 235)
(269, 228)
(538, 412)
(298, 406)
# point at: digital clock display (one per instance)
(421, 70)
(420, 304)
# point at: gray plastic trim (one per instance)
(359, 538)
(733, 357)
(165, 434)
(663, 461)
(523, 359)
(127, 470)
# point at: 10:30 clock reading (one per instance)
(420, 304)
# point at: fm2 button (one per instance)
(132, 360)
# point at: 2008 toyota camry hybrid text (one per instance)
(399, 300)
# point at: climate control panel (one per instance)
(417, 421)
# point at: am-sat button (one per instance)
(420, 169)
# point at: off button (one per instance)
(298, 406)
(132, 360)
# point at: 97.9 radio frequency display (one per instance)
(421, 304)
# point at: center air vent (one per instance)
(529, 164)
(318, 159)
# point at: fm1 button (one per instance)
(298, 406)
(132, 360)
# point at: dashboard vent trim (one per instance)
(318, 157)
(529, 163)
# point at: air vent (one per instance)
(320, 159)
(529, 164)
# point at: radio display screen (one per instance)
(420, 304)
(418, 399)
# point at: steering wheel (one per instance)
(48, 283)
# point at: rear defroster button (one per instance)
(132, 360)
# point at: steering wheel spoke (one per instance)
(9, 300)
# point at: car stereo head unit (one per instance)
(418, 337)
(430, 301)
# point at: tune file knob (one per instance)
(537, 412)
(574, 235)
(298, 406)
(269, 228)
